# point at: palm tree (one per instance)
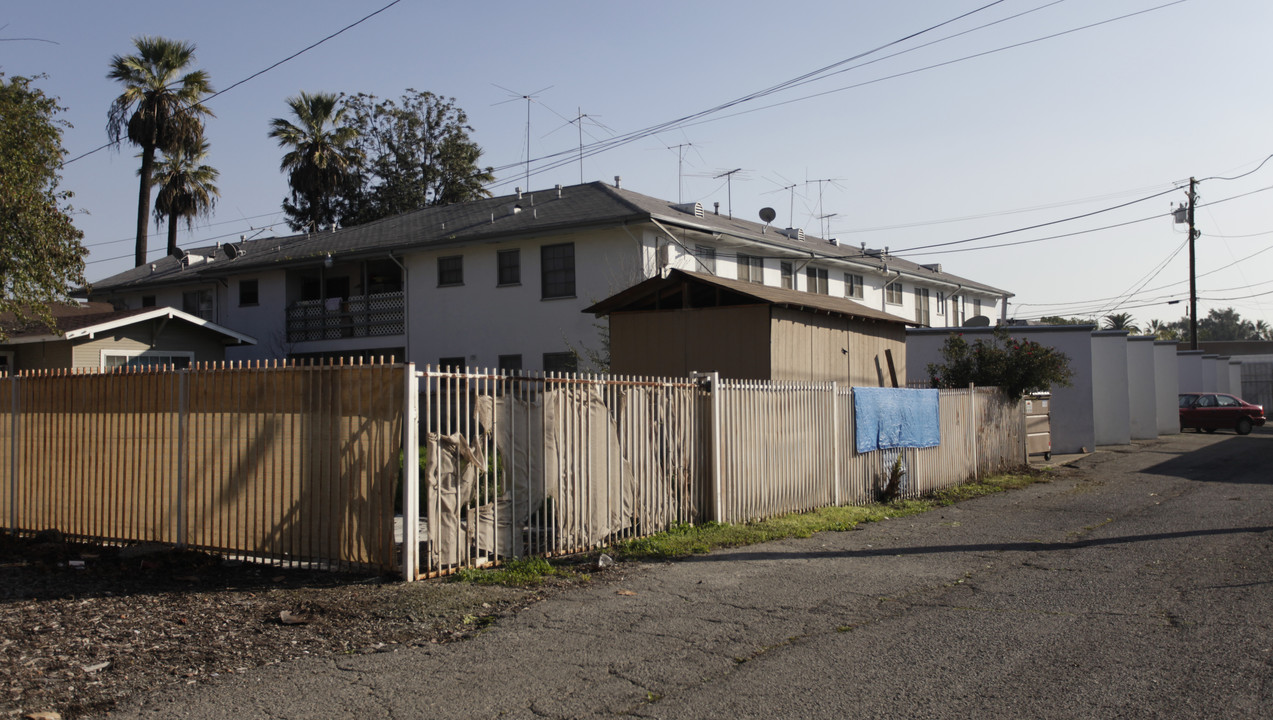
(1121, 321)
(1162, 330)
(160, 109)
(186, 188)
(320, 161)
(1262, 330)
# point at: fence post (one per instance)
(183, 416)
(973, 418)
(13, 455)
(410, 474)
(835, 442)
(717, 500)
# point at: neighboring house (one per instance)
(96, 336)
(686, 322)
(500, 282)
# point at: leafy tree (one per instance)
(1015, 366)
(40, 252)
(321, 161)
(1223, 325)
(159, 109)
(1162, 330)
(1121, 321)
(417, 153)
(186, 188)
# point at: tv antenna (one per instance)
(578, 120)
(529, 98)
(834, 182)
(680, 169)
(729, 185)
(791, 201)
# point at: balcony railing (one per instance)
(335, 318)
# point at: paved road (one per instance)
(1139, 585)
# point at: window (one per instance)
(561, 362)
(941, 303)
(510, 363)
(921, 307)
(852, 286)
(112, 359)
(197, 303)
(893, 293)
(451, 270)
(147, 300)
(976, 306)
(447, 363)
(706, 259)
(788, 275)
(817, 278)
(510, 267)
(751, 269)
(248, 293)
(557, 270)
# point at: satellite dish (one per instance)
(977, 321)
(767, 214)
(231, 251)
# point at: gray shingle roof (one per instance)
(543, 212)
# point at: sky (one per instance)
(921, 126)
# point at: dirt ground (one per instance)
(84, 627)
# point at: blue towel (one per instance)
(895, 417)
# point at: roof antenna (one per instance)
(528, 97)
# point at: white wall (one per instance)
(1235, 377)
(1209, 373)
(1111, 409)
(1142, 393)
(1167, 387)
(480, 320)
(1190, 364)
(1222, 374)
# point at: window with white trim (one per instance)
(817, 278)
(112, 359)
(893, 293)
(941, 303)
(198, 303)
(706, 259)
(921, 307)
(751, 269)
(853, 286)
(786, 275)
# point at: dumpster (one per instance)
(1038, 424)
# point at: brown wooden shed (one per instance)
(670, 326)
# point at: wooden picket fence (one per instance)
(289, 463)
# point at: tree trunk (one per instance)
(172, 233)
(143, 202)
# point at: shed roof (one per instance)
(683, 289)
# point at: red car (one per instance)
(1213, 411)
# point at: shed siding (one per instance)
(672, 343)
(174, 337)
(821, 348)
(869, 347)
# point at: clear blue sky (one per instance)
(1017, 137)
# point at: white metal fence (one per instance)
(551, 464)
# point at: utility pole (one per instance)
(1193, 284)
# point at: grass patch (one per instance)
(685, 540)
(517, 572)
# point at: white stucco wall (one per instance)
(1209, 373)
(1167, 387)
(1072, 414)
(1141, 388)
(1235, 377)
(1111, 407)
(1190, 377)
(1222, 374)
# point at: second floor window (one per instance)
(197, 303)
(557, 267)
(510, 267)
(893, 293)
(817, 278)
(451, 270)
(976, 306)
(751, 269)
(248, 293)
(921, 307)
(706, 259)
(787, 275)
(853, 286)
(941, 303)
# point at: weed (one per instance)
(517, 572)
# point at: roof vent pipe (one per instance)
(617, 180)
(559, 192)
(716, 205)
(519, 192)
